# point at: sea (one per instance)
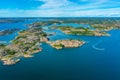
(98, 59)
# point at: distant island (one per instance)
(28, 41)
(8, 31)
(82, 31)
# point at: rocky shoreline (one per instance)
(27, 44)
(59, 44)
(28, 41)
(24, 45)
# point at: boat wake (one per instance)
(98, 48)
(94, 46)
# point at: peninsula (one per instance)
(24, 45)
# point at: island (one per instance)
(81, 31)
(8, 31)
(6, 20)
(59, 44)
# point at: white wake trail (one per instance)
(94, 46)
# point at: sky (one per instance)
(59, 8)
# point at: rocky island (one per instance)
(59, 44)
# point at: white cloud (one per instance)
(63, 8)
(54, 3)
(59, 13)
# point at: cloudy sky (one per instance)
(59, 8)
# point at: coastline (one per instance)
(27, 43)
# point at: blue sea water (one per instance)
(98, 59)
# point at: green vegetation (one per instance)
(2, 45)
(21, 37)
(15, 41)
(81, 31)
(59, 45)
(10, 52)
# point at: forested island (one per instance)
(82, 31)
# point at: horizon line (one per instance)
(66, 17)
